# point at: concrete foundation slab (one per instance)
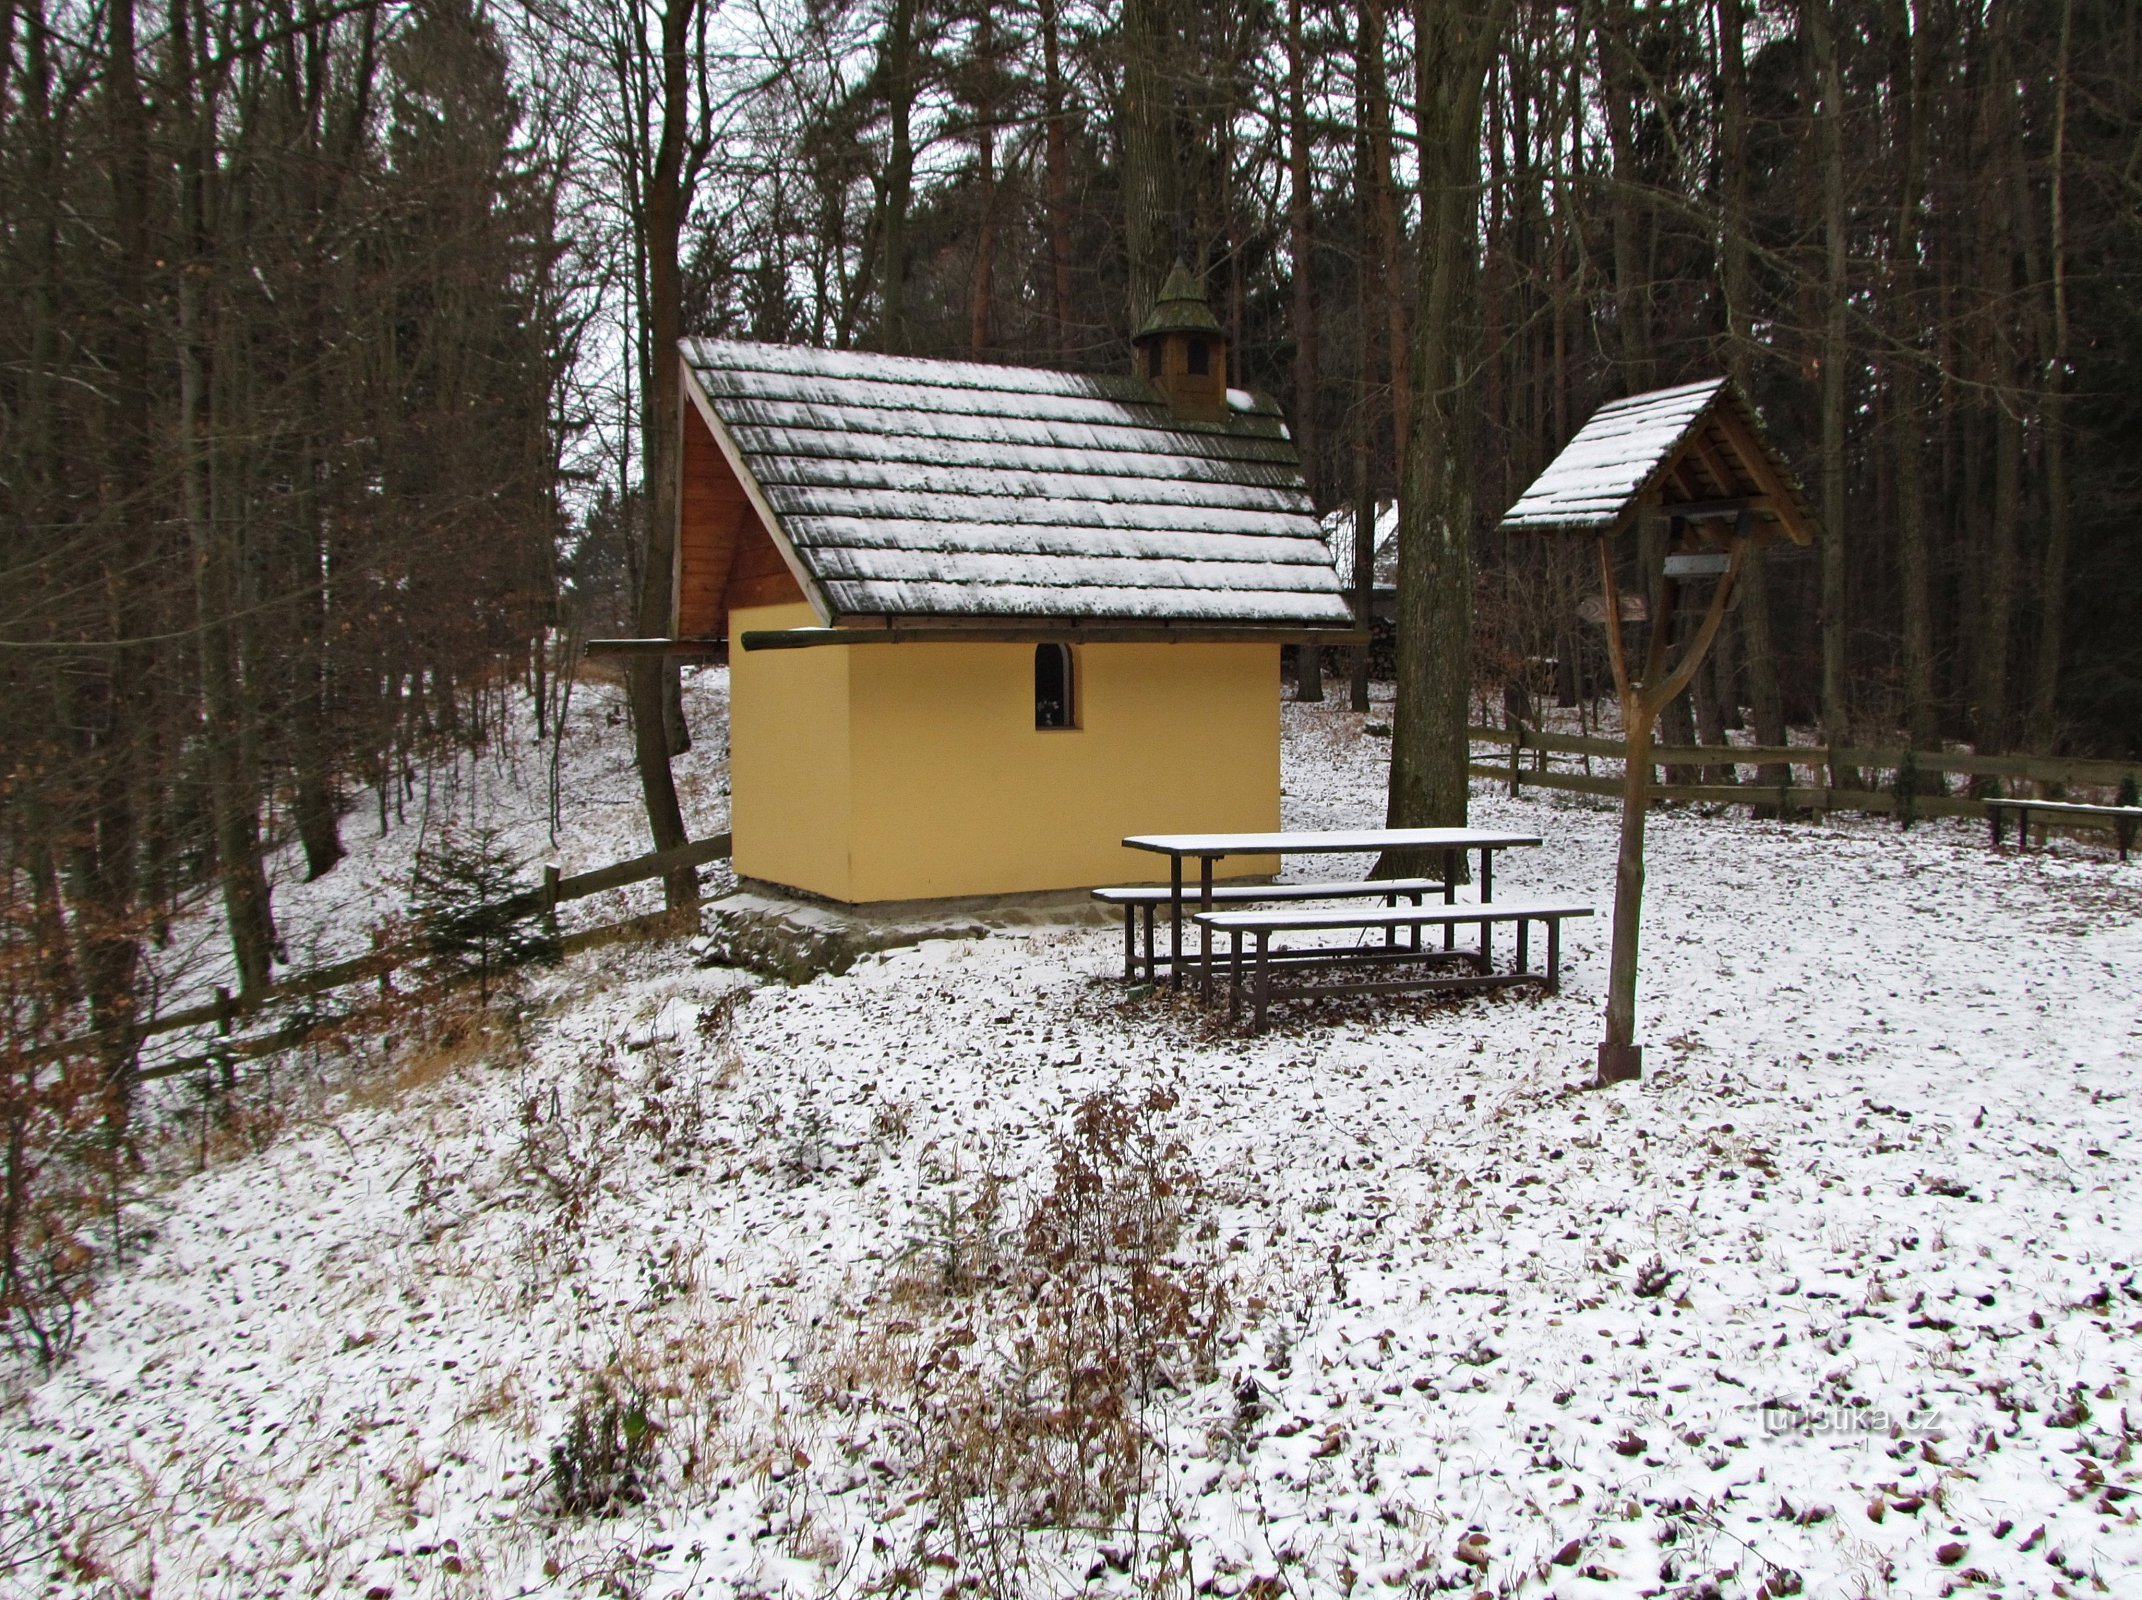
(785, 936)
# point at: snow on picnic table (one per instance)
(1845, 1286)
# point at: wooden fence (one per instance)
(1805, 769)
(226, 1010)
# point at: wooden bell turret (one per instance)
(1181, 350)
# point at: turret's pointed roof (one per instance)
(1180, 307)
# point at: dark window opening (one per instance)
(1152, 361)
(1200, 358)
(1052, 686)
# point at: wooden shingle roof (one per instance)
(1698, 444)
(913, 490)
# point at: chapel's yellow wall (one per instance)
(915, 771)
(789, 771)
(958, 793)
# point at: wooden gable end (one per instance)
(1726, 462)
(725, 557)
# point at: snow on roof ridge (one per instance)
(924, 371)
(1673, 392)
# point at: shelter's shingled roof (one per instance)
(1598, 481)
(917, 489)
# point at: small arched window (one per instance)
(1053, 687)
(1200, 358)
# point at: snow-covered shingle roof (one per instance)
(917, 489)
(1596, 484)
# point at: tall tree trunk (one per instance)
(329, 160)
(899, 68)
(1383, 204)
(1909, 54)
(1999, 567)
(215, 533)
(1630, 208)
(1150, 211)
(1301, 202)
(115, 706)
(1836, 355)
(2053, 576)
(982, 284)
(662, 227)
(1766, 703)
(1366, 412)
(1308, 658)
(1455, 44)
(1056, 160)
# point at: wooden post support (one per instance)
(1642, 699)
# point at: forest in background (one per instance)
(336, 403)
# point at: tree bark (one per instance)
(982, 285)
(1056, 158)
(1766, 703)
(1366, 412)
(662, 226)
(1308, 658)
(214, 530)
(2053, 575)
(1429, 747)
(899, 73)
(1909, 54)
(1301, 252)
(1632, 294)
(1836, 354)
(1150, 218)
(1383, 208)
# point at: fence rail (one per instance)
(226, 1010)
(1793, 794)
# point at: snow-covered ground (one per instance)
(1840, 1298)
(599, 819)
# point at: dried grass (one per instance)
(1013, 1377)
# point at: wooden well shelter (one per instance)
(984, 621)
(1697, 459)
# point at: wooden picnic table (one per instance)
(1210, 847)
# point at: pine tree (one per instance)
(475, 917)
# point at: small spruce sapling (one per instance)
(474, 917)
(1906, 790)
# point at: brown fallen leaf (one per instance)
(1567, 1555)
(1949, 1554)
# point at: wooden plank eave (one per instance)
(688, 649)
(1046, 633)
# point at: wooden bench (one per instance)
(2123, 819)
(1260, 926)
(1150, 899)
